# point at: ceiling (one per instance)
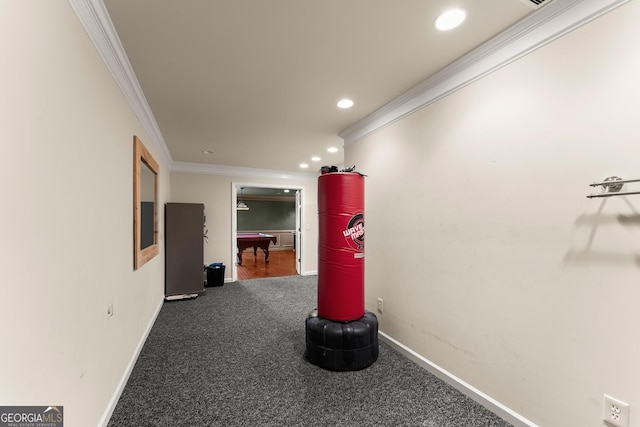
(256, 82)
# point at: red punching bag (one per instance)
(341, 246)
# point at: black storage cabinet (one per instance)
(184, 248)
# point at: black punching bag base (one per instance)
(342, 346)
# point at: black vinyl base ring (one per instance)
(342, 346)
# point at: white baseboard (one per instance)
(127, 373)
(466, 389)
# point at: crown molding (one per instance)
(534, 31)
(97, 23)
(222, 170)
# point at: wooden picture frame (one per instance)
(145, 205)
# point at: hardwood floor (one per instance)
(281, 263)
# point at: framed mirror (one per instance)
(145, 205)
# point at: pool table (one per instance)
(255, 241)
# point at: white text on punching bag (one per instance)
(354, 232)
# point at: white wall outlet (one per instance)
(110, 310)
(380, 305)
(616, 412)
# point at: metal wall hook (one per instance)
(612, 186)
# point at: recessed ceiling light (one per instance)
(450, 19)
(332, 150)
(208, 152)
(304, 165)
(315, 159)
(286, 190)
(345, 103)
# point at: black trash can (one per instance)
(215, 274)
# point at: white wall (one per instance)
(216, 193)
(491, 261)
(67, 218)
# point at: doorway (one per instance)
(269, 217)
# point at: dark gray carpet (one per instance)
(235, 357)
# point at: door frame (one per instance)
(298, 233)
(235, 186)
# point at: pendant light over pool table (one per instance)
(241, 206)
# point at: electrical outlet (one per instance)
(110, 310)
(616, 412)
(380, 305)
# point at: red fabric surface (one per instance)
(341, 246)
